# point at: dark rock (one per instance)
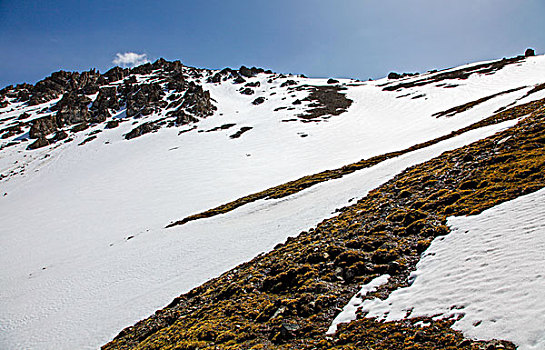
(296, 102)
(112, 124)
(258, 101)
(72, 109)
(144, 99)
(247, 91)
(198, 102)
(332, 81)
(183, 118)
(43, 126)
(60, 135)
(394, 75)
(254, 84)
(247, 72)
(240, 132)
(145, 68)
(288, 83)
(116, 73)
(39, 143)
(239, 80)
(80, 127)
(529, 52)
(100, 116)
(106, 99)
(141, 130)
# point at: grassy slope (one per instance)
(288, 297)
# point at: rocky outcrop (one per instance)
(116, 73)
(197, 101)
(144, 99)
(62, 81)
(72, 109)
(142, 129)
(529, 52)
(42, 127)
(258, 101)
(39, 143)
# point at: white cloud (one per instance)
(130, 59)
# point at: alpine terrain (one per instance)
(172, 207)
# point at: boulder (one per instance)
(247, 91)
(197, 101)
(332, 81)
(288, 83)
(141, 130)
(239, 80)
(258, 101)
(394, 75)
(112, 124)
(529, 52)
(72, 109)
(106, 99)
(39, 143)
(42, 127)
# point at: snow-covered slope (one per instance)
(83, 224)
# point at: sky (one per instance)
(319, 38)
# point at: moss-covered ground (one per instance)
(287, 298)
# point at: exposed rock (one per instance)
(80, 127)
(529, 52)
(258, 101)
(394, 75)
(144, 99)
(100, 116)
(61, 82)
(247, 91)
(254, 84)
(288, 83)
(239, 80)
(112, 124)
(106, 99)
(332, 81)
(60, 135)
(197, 101)
(43, 126)
(39, 143)
(72, 109)
(141, 130)
(183, 118)
(239, 133)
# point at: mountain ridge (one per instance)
(121, 157)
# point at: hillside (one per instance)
(122, 190)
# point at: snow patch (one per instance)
(348, 313)
(489, 269)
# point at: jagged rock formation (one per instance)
(91, 98)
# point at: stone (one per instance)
(112, 124)
(42, 127)
(258, 101)
(239, 80)
(39, 143)
(288, 83)
(332, 81)
(247, 91)
(142, 129)
(529, 52)
(394, 75)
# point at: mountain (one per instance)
(262, 210)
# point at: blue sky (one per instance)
(346, 38)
